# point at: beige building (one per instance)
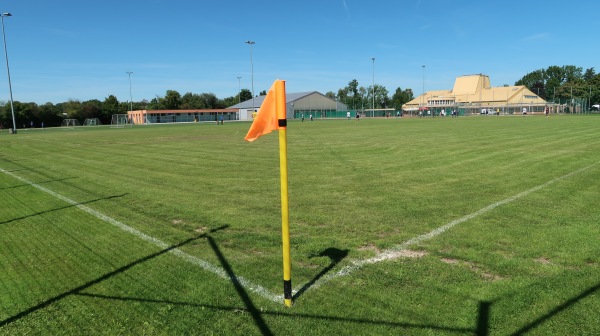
(473, 94)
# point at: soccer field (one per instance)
(471, 225)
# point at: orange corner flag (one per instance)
(271, 110)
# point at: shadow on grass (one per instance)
(335, 255)
(39, 183)
(291, 314)
(61, 208)
(106, 276)
(565, 305)
(256, 314)
(482, 328)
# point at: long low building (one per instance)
(297, 105)
(473, 94)
(179, 116)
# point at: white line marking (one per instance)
(396, 251)
(157, 242)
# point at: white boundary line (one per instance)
(396, 251)
(389, 254)
(154, 241)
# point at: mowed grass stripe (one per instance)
(154, 241)
(356, 189)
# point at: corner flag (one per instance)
(269, 112)
(272, 116)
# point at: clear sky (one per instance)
(81, 49)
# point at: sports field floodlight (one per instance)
(130, 96)
(373, 59)
(12, 109)
(239, 90)
(251, 43)
(423, 97)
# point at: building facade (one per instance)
(296, 105)
(473, 94)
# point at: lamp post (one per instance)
(251, 43)
(130, 96)
(12, 109)
(239, 90)
(373, 59)
(423, 97)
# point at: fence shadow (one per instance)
(41, 182)
(106, 276)
(61, 208)
(565, 305)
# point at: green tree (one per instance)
(245, 94)
(172, 100)
(191, 101)
(93, 109)
(110, 106)
(400, 98)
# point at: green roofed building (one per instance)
(297, 104)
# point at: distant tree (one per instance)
(330, 94)
(381, 96)
(190, 101)
(172, 100)
(210, 100)
(263, 93)
(245, 94)
(110, 106)
(93, 109)
(71, 109)
(229, 101)
(400, 98)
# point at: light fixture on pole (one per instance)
(423, 97)
(130, 96)
(12, 109)
(373, 59)
(251, 43)
(239, 90)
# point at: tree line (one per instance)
(555, 83)
(561, 84)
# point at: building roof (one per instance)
(289, 98)
(475, 89)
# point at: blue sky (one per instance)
(81, 49)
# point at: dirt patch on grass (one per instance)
(543, 260)
(370, 247)
(473, 267)
(177, 221)
(201, 229)
(411, 254)
(449, 260)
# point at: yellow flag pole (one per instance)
(283, 168)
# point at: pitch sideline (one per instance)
(155, 241)
(396, 251)
(389, 254)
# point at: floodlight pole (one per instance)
(239, 90)
(251, 43)
(423, 97)
(373, 59)
(130, 96)
(12, 109)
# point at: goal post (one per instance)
(70, 123)
(120, 121)
(92, 122)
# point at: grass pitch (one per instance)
(141, 230)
